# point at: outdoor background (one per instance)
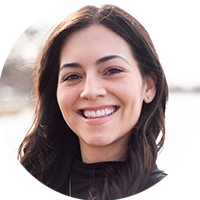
(174, 29)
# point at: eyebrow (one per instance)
(76, 65)
(106, 58)
(99, 61)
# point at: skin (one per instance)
(97, 70)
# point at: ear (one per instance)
(150, 87)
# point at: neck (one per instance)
(95, 154)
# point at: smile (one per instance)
(99, 113)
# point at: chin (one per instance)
(98, 141)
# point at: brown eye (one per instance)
(72, 77)
(113, 71)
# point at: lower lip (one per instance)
(98, 120)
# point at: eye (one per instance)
(72, 77)
(113, 71)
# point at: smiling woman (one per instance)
(101, 106)
(101, 84)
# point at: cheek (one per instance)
(130, 92)
(131, 97)
(65, 103)
(65, 100)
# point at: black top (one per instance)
(85, 175)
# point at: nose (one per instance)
(93, 88)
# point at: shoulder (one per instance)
(165, 187)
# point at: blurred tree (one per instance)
(17, 35)
(18, 68)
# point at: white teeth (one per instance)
(98, 113)
(93, 114)
(103, 113)
(106, 111)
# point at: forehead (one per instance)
(95, 40)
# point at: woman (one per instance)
(101, 106)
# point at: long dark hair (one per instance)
(49, 148)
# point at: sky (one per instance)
(174, 27)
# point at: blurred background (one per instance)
(174, 27)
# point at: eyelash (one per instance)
(110, 71)
(71, 77)
(113, 71)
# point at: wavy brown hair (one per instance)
(49, 148)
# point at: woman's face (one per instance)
(100, 89)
